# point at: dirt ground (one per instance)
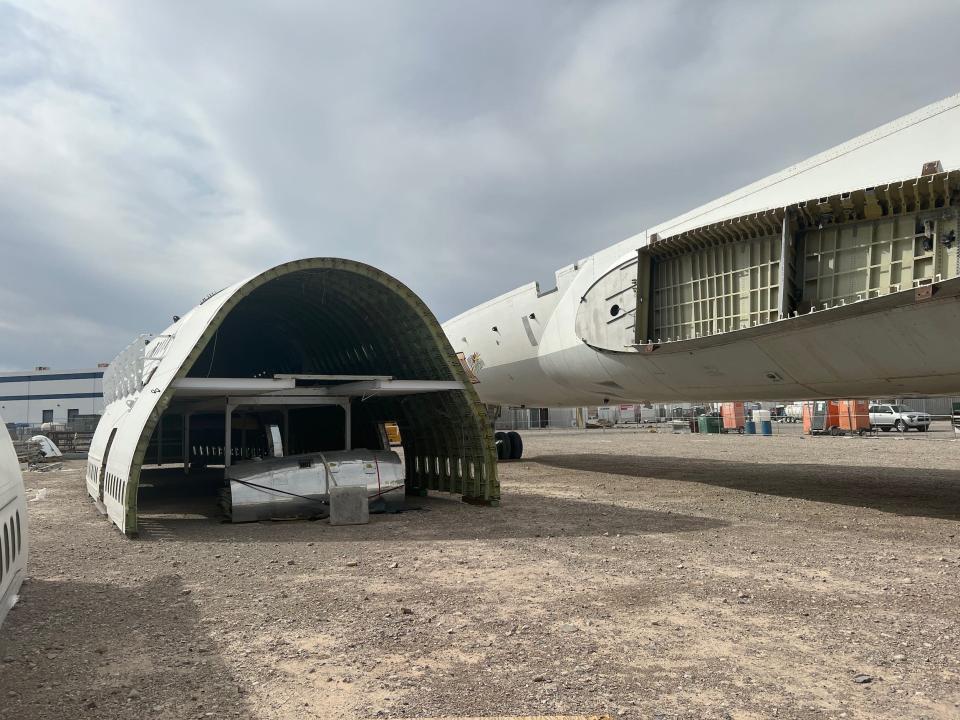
(635, 574)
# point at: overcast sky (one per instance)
(151, 152)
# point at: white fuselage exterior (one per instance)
(525, 349)
(14, 538)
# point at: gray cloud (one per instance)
(152, 152)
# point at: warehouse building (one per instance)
(43, 395)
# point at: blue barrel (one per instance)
(749, 427)
(766, 427)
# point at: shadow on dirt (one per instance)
(922, 493)
(146, 654)
(174, 508)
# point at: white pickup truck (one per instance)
(898, 417)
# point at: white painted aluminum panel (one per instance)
(14, 538)
(299, 485)
(562, 370)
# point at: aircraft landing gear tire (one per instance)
(504, 446)
(516, 445)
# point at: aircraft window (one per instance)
(6, 547)
(18, 532)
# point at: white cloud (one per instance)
(152, 152)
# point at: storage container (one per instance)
(821, 416)
(709, 423)
(733, 416)
(854, 416)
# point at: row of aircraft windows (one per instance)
(11, 544)
(113, 485)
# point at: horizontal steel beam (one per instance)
(279, 400)
(396, 387)
(196, 387)
(330, 378)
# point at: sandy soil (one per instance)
(640, 575)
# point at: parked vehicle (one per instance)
(793, 413)
(898, 417)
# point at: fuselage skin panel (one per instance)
(525, 349)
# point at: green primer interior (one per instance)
(339, 317)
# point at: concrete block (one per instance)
(349, 505)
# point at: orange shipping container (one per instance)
(807, 410)
(819, 416)
(854, 415)
(733, 416)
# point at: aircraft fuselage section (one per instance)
(834, 278)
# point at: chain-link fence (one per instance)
(73, 436)
(936, 418)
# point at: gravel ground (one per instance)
(636, 574)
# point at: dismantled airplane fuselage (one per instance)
(13, 524)
(839, 276)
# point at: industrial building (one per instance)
(31, 397)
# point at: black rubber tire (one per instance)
(898, 426)
(503, 445)
(922, 428)
(834, 431)
(885, 428)
(516, 445)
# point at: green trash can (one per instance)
(710, 424)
